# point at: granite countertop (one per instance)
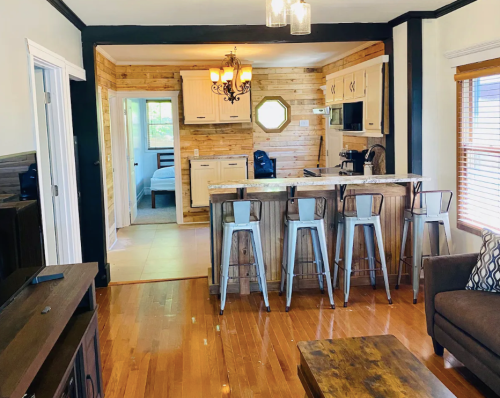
(319, 181)
(211, 157)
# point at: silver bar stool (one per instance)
(433, 211)
(305, 218)
(242, 219)
(346, 225)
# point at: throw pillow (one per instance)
(486, 274)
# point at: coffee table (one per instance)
(365, 367)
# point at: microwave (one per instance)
(347, 117)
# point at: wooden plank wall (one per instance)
(10, 168)
(295, 147)
(106, 79)
(210, 139)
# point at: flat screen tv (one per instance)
(21, 234)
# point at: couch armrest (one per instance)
(444, 274)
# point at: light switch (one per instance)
(196, 152)
(304, 123)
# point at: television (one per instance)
(21, 233)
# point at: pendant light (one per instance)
(289, 4)
(276, 13)
(300, 18)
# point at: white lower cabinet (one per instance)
(213, 170)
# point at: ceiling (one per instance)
(259, 55)
(237, 12)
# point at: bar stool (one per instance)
(242, 220)
(346, 225)
(431, 212)
(305, 218)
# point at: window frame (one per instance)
(464, 73)
(147, 124)
(285, 104)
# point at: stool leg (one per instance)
(284, 261)
(378, 230)
(317, 258)
(370, 248)
(340, 231)
(402, 255)
(418, 232)
(292, 241)
(226, 254)
(320, 234)
(447, 231)
(257, 241)
(349, 229)
(255, 261)
(434, 237)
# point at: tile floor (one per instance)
(160, 251)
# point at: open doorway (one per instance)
(151, 164)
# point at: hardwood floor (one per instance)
(166, 339)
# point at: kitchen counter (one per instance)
(212, 157)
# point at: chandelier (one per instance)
(298, 11)
(231, 80)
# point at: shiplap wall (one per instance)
(106, 79)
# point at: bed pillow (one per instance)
(165, 172)
(486, 274)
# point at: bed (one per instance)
(163, 179)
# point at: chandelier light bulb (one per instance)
(214, 75)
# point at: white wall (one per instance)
(401, 98)
(470, 25)
(39, 21)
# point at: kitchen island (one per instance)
(398, 191)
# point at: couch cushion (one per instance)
(476, 313)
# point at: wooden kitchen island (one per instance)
(398, 191)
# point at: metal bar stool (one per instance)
(242, 219)
(430, 212)
(305, 218)
(346, 225)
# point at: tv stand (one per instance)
(57, 353)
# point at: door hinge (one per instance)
(47, 98)
(55, 190)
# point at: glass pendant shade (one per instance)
(301, 18)
(214, 75)
(246, 74)
(228, 73)
(275, 13)
(289, 4)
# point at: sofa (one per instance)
(465, 322)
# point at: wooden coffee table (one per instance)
(378, 366)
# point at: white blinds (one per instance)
(479, 152)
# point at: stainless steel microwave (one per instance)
(347, 116)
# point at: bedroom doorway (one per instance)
(150, 155)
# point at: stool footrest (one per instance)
(242, 265)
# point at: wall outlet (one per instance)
(196, 152)
(304, 123)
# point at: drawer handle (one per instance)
(204, 165)
(234, 116)
(200, 117)
(233, 164)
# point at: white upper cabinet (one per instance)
(202, 106)
(373, 101)
(338, 89)
(349, 86)
(329, 97)
(359, 84)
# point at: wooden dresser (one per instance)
(55, 354)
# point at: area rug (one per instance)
(163, 214)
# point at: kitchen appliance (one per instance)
(351, 161)
(347, 117)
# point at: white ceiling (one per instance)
(237, 12)
(259, 55)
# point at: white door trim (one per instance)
(68, 221)
(100, 120)
(121, 171)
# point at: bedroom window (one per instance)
(160, 125)
(478, 146)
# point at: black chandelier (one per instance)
(231, 80)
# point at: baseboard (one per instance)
(147, 191)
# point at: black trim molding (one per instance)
(61, 6)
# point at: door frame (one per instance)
(121, 173)
(67, 218)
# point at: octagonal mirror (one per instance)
(273, 114)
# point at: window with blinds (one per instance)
(160, 124)
(478, 150)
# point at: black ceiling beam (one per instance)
(61, 6)
(430, 14)
(233, 34)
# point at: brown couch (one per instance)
(465, 322)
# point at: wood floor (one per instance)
(166, 339)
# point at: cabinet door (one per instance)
(200, 104)
(338, 89)
(348, 86)
(235, 169)
(329, 96)
(359, 84)
(238, 112)
(373, 103)
(92, 362)
(201, 173)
